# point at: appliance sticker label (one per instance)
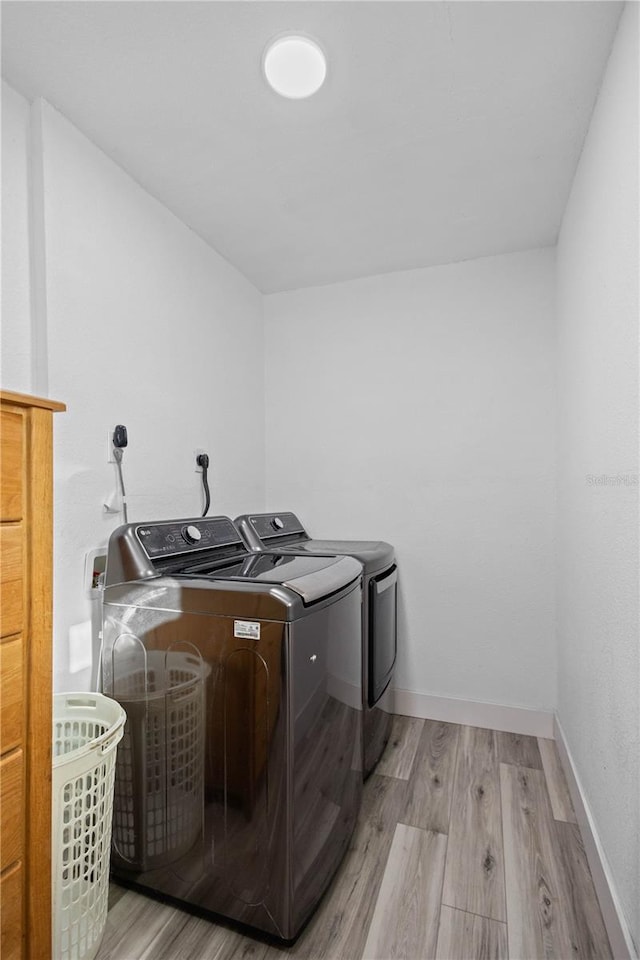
(247, 629)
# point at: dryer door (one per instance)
(383, 631)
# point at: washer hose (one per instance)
(203, 461)
(117, 454)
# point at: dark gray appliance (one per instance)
(284, 533)
(237, 781)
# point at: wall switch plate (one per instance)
(80, 647)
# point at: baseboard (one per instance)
(475, 713)
(620, 938)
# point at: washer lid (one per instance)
(311, 577)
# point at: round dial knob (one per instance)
(277, 523)
(192, 534)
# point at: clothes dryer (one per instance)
(237, 781)
(284, 533)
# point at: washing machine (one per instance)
(284, 533)
(237, 780)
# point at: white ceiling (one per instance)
(444, 131)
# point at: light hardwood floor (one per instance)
(466, 849)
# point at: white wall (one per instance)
(147, 326)
(15, 342)
(418, 408)
(598, 630)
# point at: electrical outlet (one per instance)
(110, 456)
(196, 454)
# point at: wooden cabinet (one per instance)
(25, 675)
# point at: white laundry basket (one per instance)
(86, 730)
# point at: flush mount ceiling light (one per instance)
(295, 67)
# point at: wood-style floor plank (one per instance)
(135, 925)
(431, 783)
(464, 936)
(474, 875)
(201, 939)
(400, 752)
(518, 749)
(556, 782)
(536, 896)
(588, 933)
(116, 892)
(386, 895)
(339, 928)
(405, 920)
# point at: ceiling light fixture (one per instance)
(294, 66)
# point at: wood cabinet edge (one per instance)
(24, 400)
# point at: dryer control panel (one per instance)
(268, 525)
(186, 536)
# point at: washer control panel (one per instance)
(191, 533)
(186, 536)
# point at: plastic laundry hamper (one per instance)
(86, 730)
(159, 789)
